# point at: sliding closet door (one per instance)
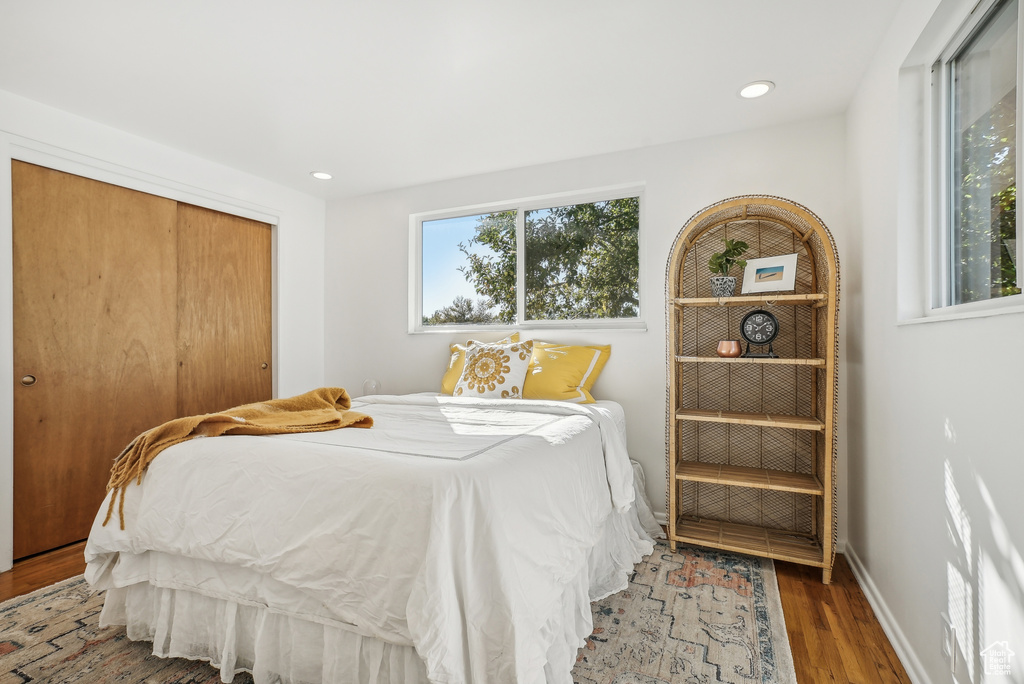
(95, 269)
(224, 311)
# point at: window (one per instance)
(981, 76)
(534, 262)
(469, 269)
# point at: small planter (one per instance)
(723, 286)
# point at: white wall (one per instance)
(367, 257)
(935, 456)
(40, 134)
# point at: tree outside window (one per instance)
(984, 185)
(581, 263)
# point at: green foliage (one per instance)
(1006, 270)
(986, 206)
(494, 275)
(582, 261)
(462, 310)
(721, 262)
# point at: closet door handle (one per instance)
(264, 366)
(28, 380)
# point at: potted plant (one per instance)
(723, 284)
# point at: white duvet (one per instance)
(456, 526)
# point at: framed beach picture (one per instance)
(770, 274)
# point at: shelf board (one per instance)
(758, 541)
(743, 300)
(758, 478)
(763, 419)
(779, 362)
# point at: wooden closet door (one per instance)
(224, 311)
(95, 267)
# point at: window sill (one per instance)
(998, 307)
(576, 326)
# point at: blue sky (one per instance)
(442, 281)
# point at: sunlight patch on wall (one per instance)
(1001, 536)
(958, 524)
(1001, 618)
(960, 604)
(960, 608)
(1001, 596)
(984, 584)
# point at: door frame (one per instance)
(14, 147)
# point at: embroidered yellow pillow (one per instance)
(564, 372)
(457, 361)
(495, 371)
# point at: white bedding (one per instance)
(474, 531)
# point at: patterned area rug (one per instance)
(53, 636)
(691, 617)
(696, 616)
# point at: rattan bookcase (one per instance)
(751, 442)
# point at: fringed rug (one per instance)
(691, 617)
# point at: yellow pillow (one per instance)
(564, 372)
(457, 362)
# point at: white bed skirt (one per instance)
(236, 637)
(280, 648)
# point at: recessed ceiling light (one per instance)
(756, 89)
(321, 175)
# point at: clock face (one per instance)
(759, 327)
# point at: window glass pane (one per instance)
(469, 269)
(583, 261)
(984, 146)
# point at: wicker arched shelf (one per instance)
(752, 442)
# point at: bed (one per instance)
(458, 540)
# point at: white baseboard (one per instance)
(891, 628)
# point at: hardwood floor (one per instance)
(42, 570)
(832, 630)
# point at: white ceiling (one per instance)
(391, 93)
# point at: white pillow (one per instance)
(495, 371)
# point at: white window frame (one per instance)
(939, 304)
(523, 205)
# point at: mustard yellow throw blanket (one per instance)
(322, 409)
